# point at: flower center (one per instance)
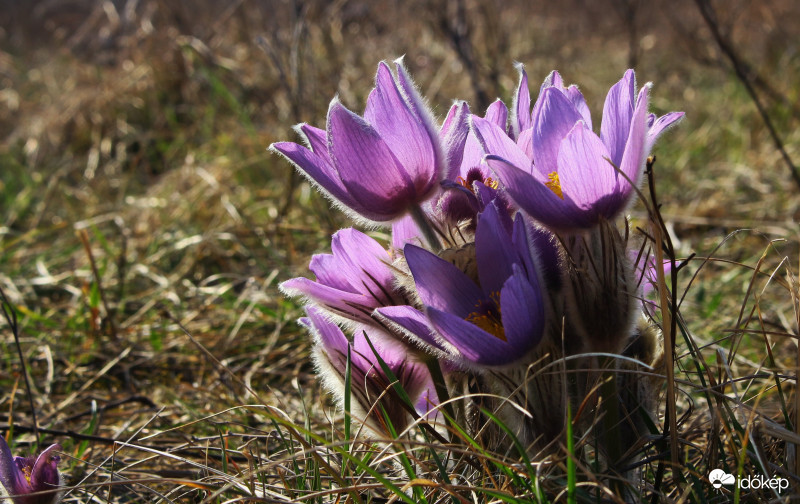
(487, 316)
(554, 184)
(476, 175)
(26, 471)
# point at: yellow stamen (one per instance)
(488, 182)
(488, 318)
(554, 184)
(26, 471)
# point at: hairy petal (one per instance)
(538, 200)
(400, 127)
(660, 125)
(453, 137)
(617, 115)
(472, 343)
(636, 146)
(44, 475)
(411, 321)
(521, 119)
(522, 307)
(554, 117)
(493, 140)
(494, 250)
(10, 475)
(317, 169)
(497, 114)
(367, 167)
(440, 284)
(585, 173)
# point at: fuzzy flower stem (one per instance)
(425, 227)
(611, 420)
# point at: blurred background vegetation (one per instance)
(136, 190)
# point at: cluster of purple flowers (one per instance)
(505, 242)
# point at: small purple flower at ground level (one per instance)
(22, 476)
(370, 386)
(379, 165)
(646, 272)
(559, 171)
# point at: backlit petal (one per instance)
(617, 115)
(554, 117)
(367, 167)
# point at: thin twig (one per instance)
(668, 307)
(740, 68)
(11, 318)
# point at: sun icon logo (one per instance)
(718, 477)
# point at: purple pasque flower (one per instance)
(370, 386)
(469, 185)
(375, 166)
(452, 137)
(22, 476)
(351, 282)
(559, 171)
(491, 315)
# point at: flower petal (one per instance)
(453, 137)
(586, 175)
(330, 337)
(660, 125)
(521, 119)
(440, 284)
(405, 230)
(636, 146)
(10, 476)
(522, 310)
(617, 115)
(401, 128)
(328, 270)
(493, 250)
(44, 475)
(415, 101)
(411, 321)
(347, 304)
(317, 169)
(472, 343)
(365, 261)
(538, 200)
(525, 143)
(553, 79)
(472, 157)
(554, 116)
(367, 167)
(413, 376)
(317, 140)
(538, 249)
(493, 140)
(576, 97)
(572, 92)
(497, 114)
